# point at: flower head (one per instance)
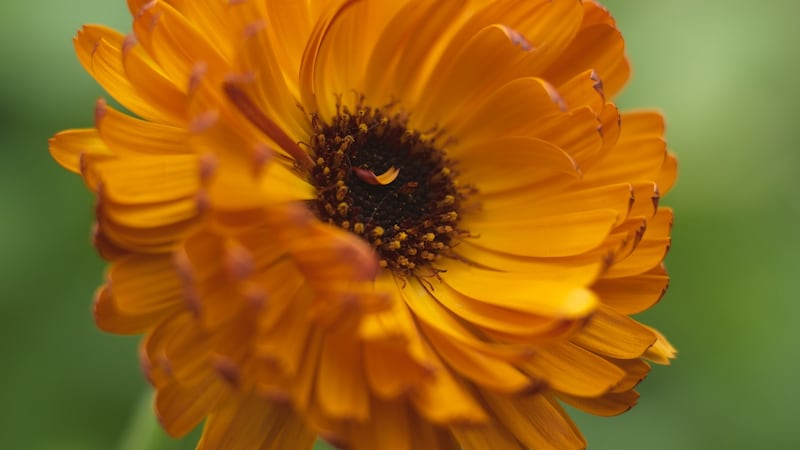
(406, 225)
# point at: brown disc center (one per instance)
(388, 184)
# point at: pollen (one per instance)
(391, 185)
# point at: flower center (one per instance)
(388, 184)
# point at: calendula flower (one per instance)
(391, 224)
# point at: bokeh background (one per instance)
(723, 71)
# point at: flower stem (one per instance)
(143, 430)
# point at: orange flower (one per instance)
(402, 225)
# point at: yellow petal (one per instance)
(515, 323)
(562, 299)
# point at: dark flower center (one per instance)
(388, 184)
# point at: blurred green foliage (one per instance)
(723, 73)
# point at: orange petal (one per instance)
(507, 165)
(537, 421)
(129, 136)
(661, 352)
(514, 323)
(99, 50)
(179, 348)
(152, 85)
(533, 20)
(615, 335)
(635, 371)
(253, 423)
(446, 398)
(552, 236)
(486, 372)
(341, 387)
(67, 147)
(110, 318)
(494, 436)
(510, 110)
(577, 132)
(643, 123)
(175, 43)
(633, 294)
(559, 297)
(406, 49)
(571, 369)
(181, 407)
(526, 205)
(584, 89)
(339, 63)
(259, 62)
(597, 46)
(146, 284)
(394, 426)
(610, 404)
(649, 252)
(427, 309)
(151, 179)
(487, 60)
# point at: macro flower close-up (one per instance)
(383, 224)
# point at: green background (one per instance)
(723, 71)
